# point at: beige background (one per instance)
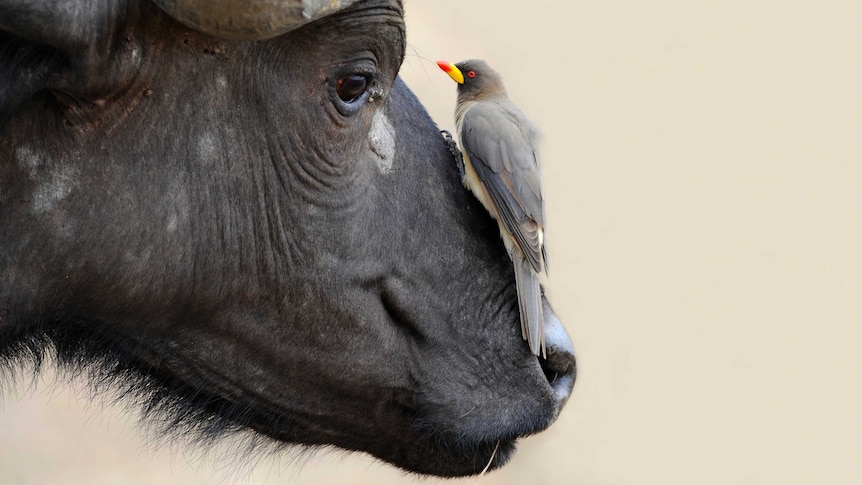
(703, 162)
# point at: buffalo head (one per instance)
(264, 234)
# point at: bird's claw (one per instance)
(454, 150)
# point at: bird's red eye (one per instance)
(471, 74)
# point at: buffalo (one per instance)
(237, 215)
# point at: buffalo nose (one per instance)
(559, 364)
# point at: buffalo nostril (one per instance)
(559, 366)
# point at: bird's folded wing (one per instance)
(503, 155)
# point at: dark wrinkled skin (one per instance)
(209, 215)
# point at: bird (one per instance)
(499, 146)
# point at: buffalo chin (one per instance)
(196, 417)
(453, 459)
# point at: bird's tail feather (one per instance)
(530, 305)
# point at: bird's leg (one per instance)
(455, 151)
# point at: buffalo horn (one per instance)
(248, 19)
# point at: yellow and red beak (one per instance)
(452, 71)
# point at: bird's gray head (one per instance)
(475, 78)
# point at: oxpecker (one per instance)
(501, 168)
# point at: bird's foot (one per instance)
(454, 150)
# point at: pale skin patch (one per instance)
(29, 160)
(172, 223)
(55, 187)
(207, 148)
(54, 183)
(381, 139)
(221, 82)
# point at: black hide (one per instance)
(215, 229)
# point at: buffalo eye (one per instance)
(350, 88)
